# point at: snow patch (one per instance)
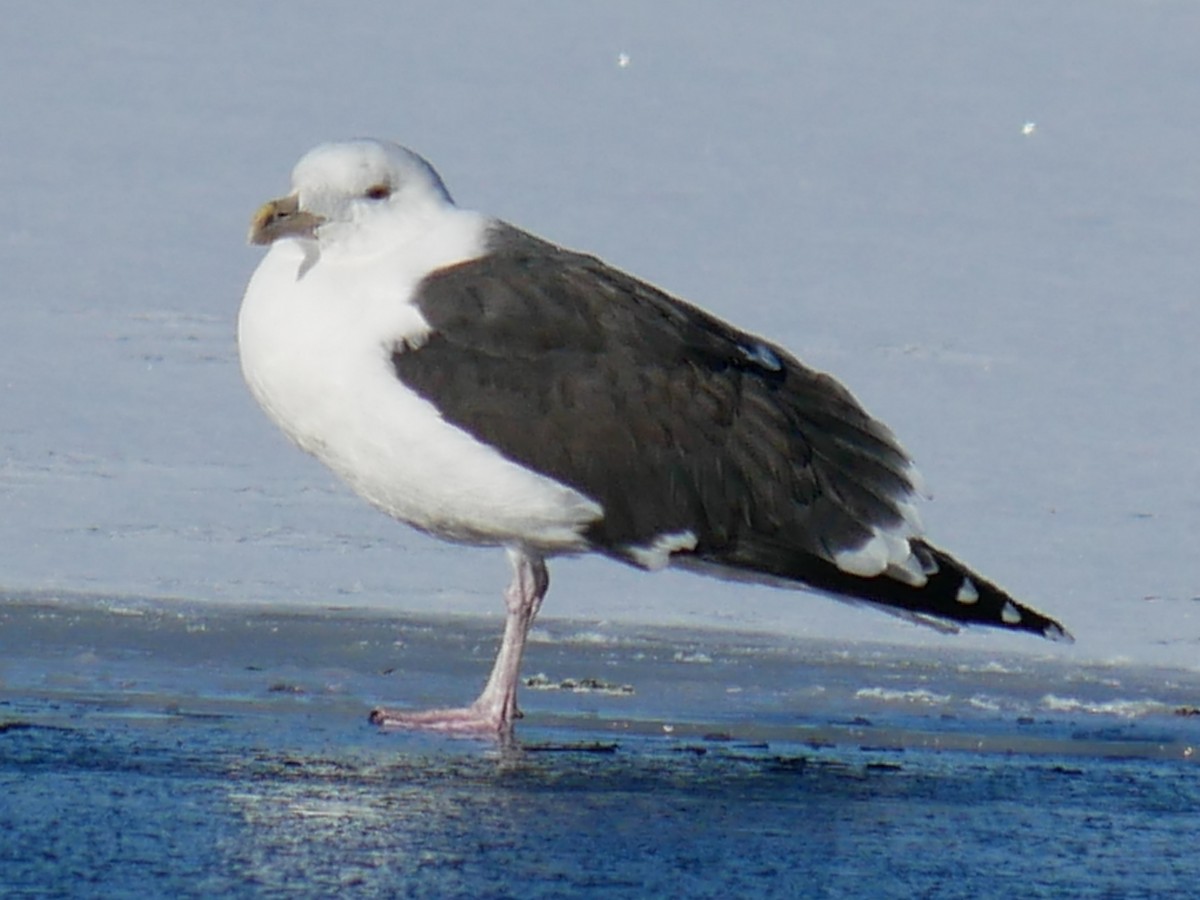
(1128, 709)
(920, 696)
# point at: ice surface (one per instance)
(861, 182)
(200, 749)
(64, 663)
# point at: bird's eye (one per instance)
(378, 192)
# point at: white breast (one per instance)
(316, 337)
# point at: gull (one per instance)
(492, 388)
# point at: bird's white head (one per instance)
(358, 193)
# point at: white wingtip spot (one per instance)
(968, 594)
(910, 572)
(912, 519)
(917, 480)
(885, 552)
(866, 561)
(762, 355)
(658, 555)
(1010, 614)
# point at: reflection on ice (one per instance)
(156, 750)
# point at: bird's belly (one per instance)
(334, 394)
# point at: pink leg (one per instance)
(496, 709)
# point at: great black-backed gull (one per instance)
(486, 386)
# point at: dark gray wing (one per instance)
(671, 419)
(677, 422)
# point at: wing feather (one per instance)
(671, 419)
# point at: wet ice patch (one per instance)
(890, 695)
(541, 682)
(991, 667)
(987, 704)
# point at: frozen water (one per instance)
(860, 182)
(203, 750)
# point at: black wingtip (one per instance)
(1058, 634)
(949, 593)
(987, 604)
